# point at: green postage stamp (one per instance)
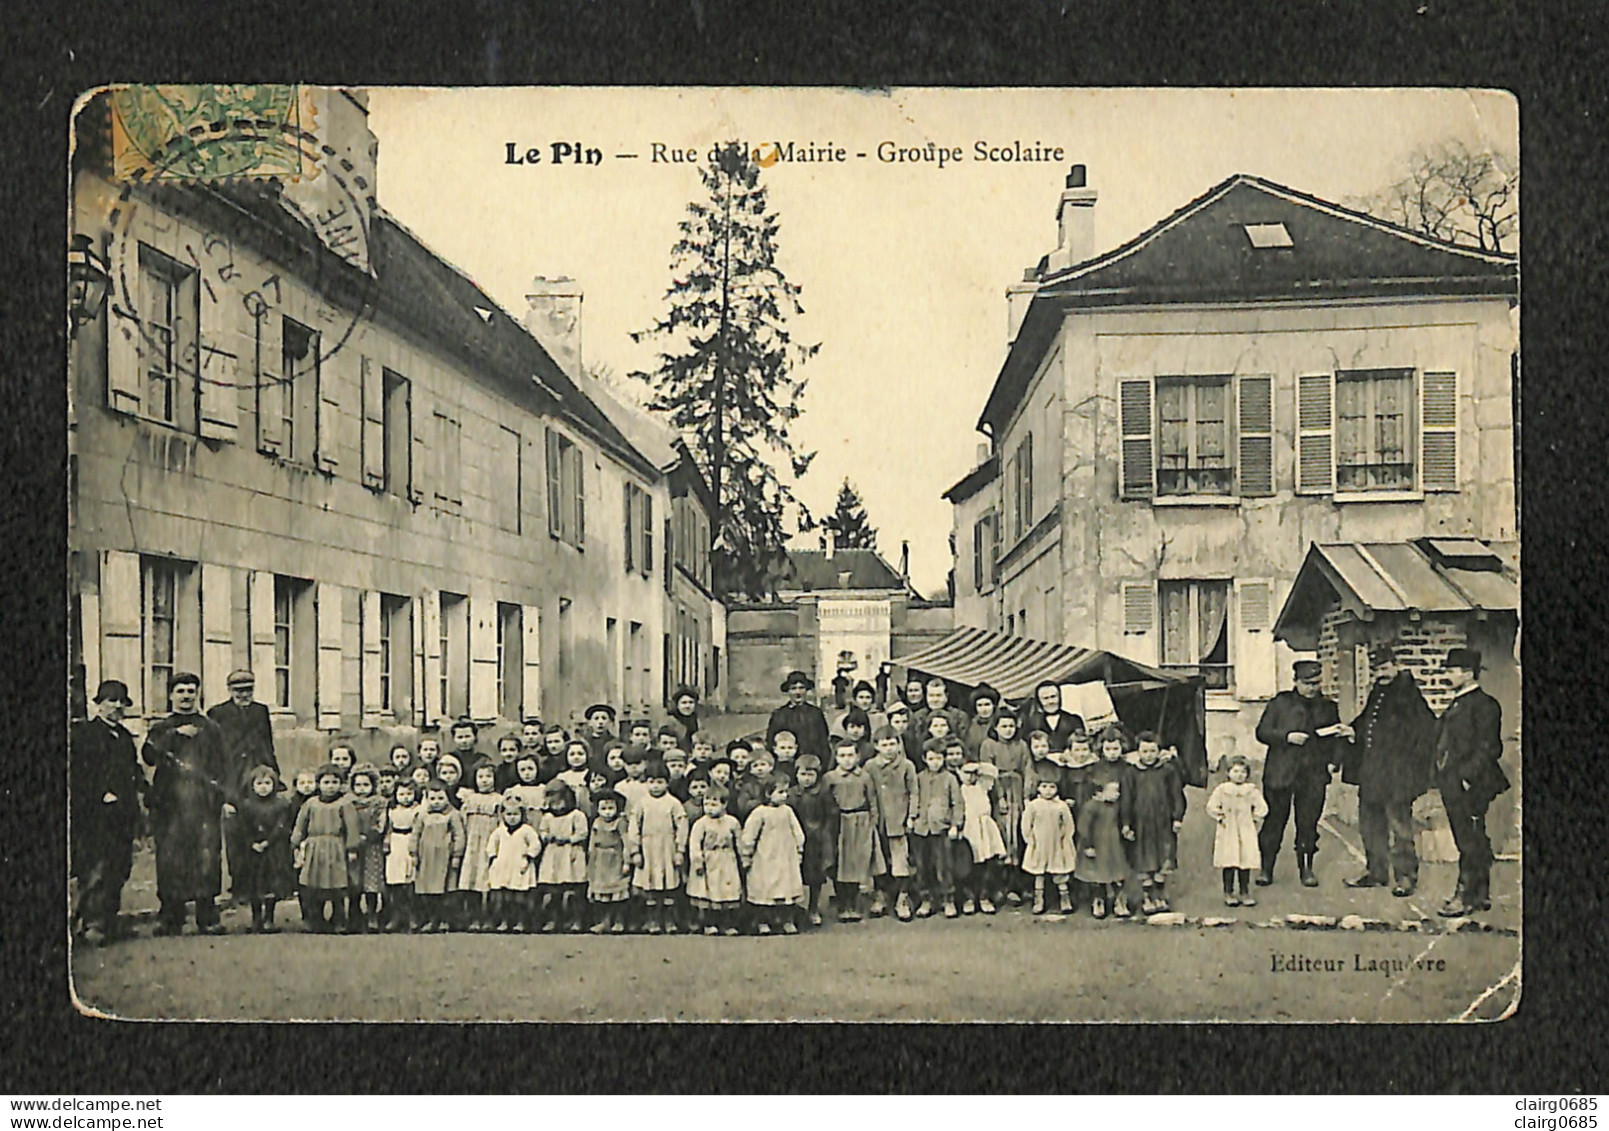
(206, 131)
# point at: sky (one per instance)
(903, 265)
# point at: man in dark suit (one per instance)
(1389, 762)
(104, 781)
(248, 740)
(1300, 729)
(1469, 742)
(805, 720)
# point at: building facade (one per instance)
(302, 443)
(1177, 420)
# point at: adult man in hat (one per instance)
(804, 719)
(191, 787)
(600, 722)
(863, 697)
(1389, 761)
(104, 781)
(248, 740)
(1468, 744)
(1300, 729)
(936, 701)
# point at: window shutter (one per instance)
(580, 497)
(631, 533)
(531, 656)
(89, 620)
(1025, 494)
(420, 417)
(977, 555)
(482, 658)
(1438, 417)
(419, 706)
(373, 428)
(1139, 467)
(123, 358)
(327, 612)
(217, 643)
(647, 534)
(260, 613)
(327, 439)
(122, 646)
(434, 709)
(270, 379)
(1255, 675)
(218, 369)
(555, 486)
(1315, 425)
(1139, 620)
(369, 670)
(1256, 403)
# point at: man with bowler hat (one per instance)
(104, 781)
(1469, 742)
(805, 720)
(190, 790)
(1299, 728)
(248, 740)
(1389, 762)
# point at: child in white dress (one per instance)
(511, 853)
(982, 836)
(1238, 807)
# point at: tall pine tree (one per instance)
(851, 529)
(726, 371)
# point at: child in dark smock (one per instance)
(608, 866)
(1113, 746)
(858, 858)
(366, 874)
(1102, 860)
(814, 808)
(264, 874)
(1009, 755)
(1158, 815)
(438, 852)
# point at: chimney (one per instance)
(983, 453)
(1075, 222)
(553, 316)
(339, 196)
(905, 563)
(1018, 296)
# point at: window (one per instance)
(985, 551)
(284, 623)
(508, 485)
(1022, 488)
(629, 505)
(1265, 236)
(639, 543)
(448, 479)
(566, 490)
(1193, 436)
(160, 321)
(1374, 430)
(396, 651)
(397, 434)
(611, 639)
(1195, 630)
(287, 387)
(510, 660)
(161, 633)
(637, 657)
(454, 645)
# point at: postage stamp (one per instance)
(208, 131)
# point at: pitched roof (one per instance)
(1203, 253)
(974, 481)
(810, 570)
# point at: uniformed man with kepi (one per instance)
(1469, 742)
(1299, 728)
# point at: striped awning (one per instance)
(1015, 665)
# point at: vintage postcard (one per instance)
(813, 554)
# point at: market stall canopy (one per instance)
(1427, 575)
(1014, 665)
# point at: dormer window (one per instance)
(1264, 236)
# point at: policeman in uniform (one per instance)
(1300, 729)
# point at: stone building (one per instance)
(1177, 420)
(303, 443)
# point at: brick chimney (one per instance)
(1075, 222)
(338, 199)
(553, 316)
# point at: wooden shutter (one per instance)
(555, 475)
(327, 612)
(1255, 675)
(430, 700)
(579, 463)
(977, 555)
(217, 642)
(270, 377)
(122, 644)
(89, 621)
(260, 615)
(1139, 621)
(327, 429)
(420, 471)
(420, 702)
(124, 356)
(531, 655)
(1256, 436)
(1315, 428)
(1025, 493)
(1139, 467)
(1438, 431)
(369, 668)
(372, 438)
(631, 526)
(647, 534)
(218, 367)
(482, 658)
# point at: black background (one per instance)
(1551, 55)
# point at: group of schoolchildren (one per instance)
(662, 834)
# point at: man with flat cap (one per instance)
(190, 791)
(804, 719)
(248, 740)
(1389, 761)
(1300, 729)
(104, 781)
(1468, 744)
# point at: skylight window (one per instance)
(1268, 235)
